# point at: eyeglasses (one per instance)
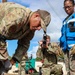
(67, 7)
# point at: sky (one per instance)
(55, 7)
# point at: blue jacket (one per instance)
(67, 39)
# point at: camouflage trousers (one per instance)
(3, 50)
(22, 68)
(3, 56)
(55, 69)
(69, 62)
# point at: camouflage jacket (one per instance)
(54, 49)
(50, 54)
(14, 20)
(14, 24)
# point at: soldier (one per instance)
(19, 22)
(49, 54)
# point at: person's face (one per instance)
(68, 7)
(35, 22)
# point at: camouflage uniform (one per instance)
(3, 56)
(3, 50)
(39, 53)
(69, 58)
(15, 27)
(15, 24)
(22, 64)
(50, 65)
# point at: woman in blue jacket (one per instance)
(67, 39)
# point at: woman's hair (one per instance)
(70, 0)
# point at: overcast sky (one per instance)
(55, 7)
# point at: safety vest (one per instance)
(67, 40)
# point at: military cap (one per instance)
(45, 18)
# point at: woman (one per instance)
(67, 39)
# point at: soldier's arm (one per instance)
(50, 49)
(54, 49)
(57, 49)
(18, 17)
(23, 45)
